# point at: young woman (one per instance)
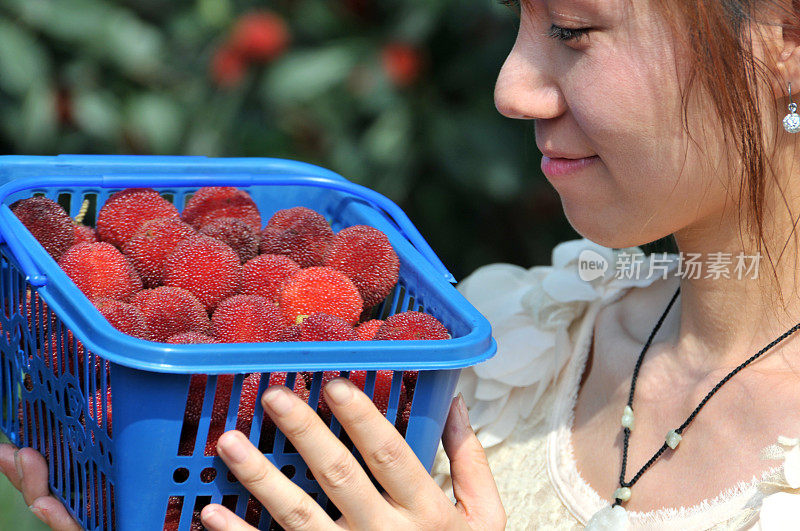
(673, 113)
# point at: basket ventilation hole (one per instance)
(288, 471)
(180, 475)
(232, 478)
(208, 475)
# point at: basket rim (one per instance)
(98, 336)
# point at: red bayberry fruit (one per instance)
(320, 290)
(410, 379)
(189, 338)
(205, 266)
(98, 409)
(124, 214)
(324, 327)
(127, 318)
(48, 223)
(223, 398)
(366, 330)
(300, 388)
(405, 416)
(412, 325)
(300, 233)
(365, 255)
(85, 234)
(169, 310)
(239, 235)
(213, 202)
(100, 271)
(247, 402)
(228, 67)
(402, 63)
(260, 36)
(193, 412)
(219, 412)
(247, 319)
(265, 274)
(322, 407)
(383, 386)
(290, 333)
(148, 249)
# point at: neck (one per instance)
(724, 321)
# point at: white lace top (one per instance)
(521, 402)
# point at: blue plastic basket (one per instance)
(131, 476)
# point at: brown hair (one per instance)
(722, 60)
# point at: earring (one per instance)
(791, 122)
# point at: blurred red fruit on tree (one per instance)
(228, 67)
(402, 63)
(260, 36)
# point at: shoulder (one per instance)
(532, 312)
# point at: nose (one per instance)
(525, 88)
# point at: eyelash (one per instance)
(556, 32)
(566, 34)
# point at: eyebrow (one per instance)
(595, 6)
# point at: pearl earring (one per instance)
(791, 122)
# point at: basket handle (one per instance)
(394, 213)
(32, 273)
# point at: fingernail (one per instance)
(339, 390)
(278, 400)
(462, 411)
(234, 448)
(213, 518)
(18, 464)
(38, 512)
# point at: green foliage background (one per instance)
(132, 76)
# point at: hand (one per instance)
(412, 499)
(27, 471)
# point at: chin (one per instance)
(611, 233)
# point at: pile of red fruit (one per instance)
(213, 274)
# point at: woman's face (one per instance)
(614, 92)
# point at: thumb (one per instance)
(473, 484)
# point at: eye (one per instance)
(509, 3)
(567, 34)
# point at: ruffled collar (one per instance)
(531, 311)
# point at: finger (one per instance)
(386, 453)
(34, 474)
(473, 484)
(218, 518)
(287, 503)
(53, 513)
(8, 465)
(333, 465)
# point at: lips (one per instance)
(551, 154)
(560, 166)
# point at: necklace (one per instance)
(614, 517)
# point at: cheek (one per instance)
(653, 180)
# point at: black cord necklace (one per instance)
(614, 516)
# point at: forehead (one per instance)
(578, 8)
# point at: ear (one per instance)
(780, 34)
